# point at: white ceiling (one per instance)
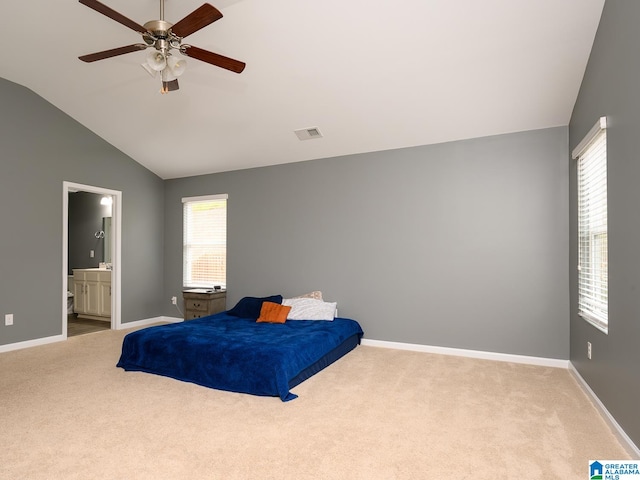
(372, 75)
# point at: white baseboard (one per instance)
(501, 357)
(149, 321)
(31, 343)
(459, 352)
(634, 451)
(60, 338)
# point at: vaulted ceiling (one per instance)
(371, 75)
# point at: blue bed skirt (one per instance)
(238, 354)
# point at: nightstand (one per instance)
(200, 302)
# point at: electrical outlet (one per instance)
(589, 350)
(8, 319)
(174, 300)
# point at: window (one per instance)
(593, 259)
(204, 241)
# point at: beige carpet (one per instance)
(66, 412)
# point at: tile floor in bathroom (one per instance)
(80, 326)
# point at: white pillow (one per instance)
(310, 309)
(317, 294)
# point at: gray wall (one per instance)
(41, 148)
(462, 244)
(610, 87)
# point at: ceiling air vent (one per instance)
(308, 133)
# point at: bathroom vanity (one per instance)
(92, 293)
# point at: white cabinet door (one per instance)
(78, 294)
(92, 297)
(105, 299)
(92, 293)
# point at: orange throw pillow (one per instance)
(273, 313)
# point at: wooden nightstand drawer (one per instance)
(193, 314)
(201, 302)
(196, 304)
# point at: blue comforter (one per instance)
(235, 354)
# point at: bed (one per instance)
(239, 354)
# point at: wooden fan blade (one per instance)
(213, 58)
(171, 86)
(113, 15)
(199, 18)
(114, 52)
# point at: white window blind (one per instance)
(205, 241)
(593, 289)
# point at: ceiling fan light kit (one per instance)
(176, 65)
(165, 38)
(156, 60)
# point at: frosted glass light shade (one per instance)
(156, 60)
(149, 70)
(167, 75)
(176, 65)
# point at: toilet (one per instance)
(69, 303)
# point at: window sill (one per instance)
(596, 323)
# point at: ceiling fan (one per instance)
(165, 38)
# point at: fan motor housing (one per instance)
(159, 28)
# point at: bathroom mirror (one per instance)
(106, 227)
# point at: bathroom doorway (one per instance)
(107, 254)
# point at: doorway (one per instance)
(112, 245)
